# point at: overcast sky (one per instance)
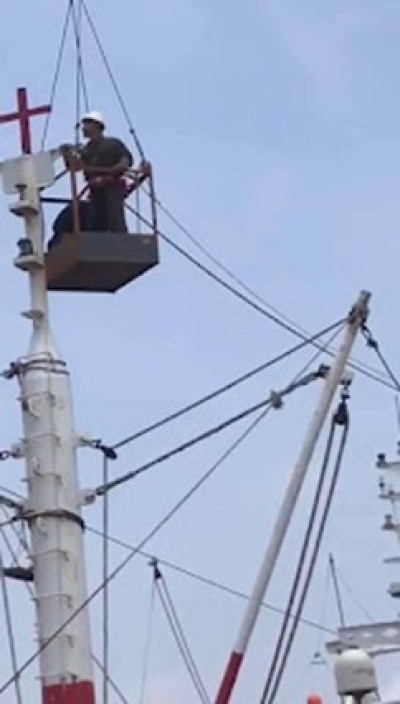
(273, 129)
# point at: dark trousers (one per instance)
(64, 222)
(104, 212)
(107, 209)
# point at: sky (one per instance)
(273, 130)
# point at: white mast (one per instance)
(49, 446)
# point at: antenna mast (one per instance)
(53, 506)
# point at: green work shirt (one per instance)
(106, 151)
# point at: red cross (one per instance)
(23, 115)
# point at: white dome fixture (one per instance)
(355, 674)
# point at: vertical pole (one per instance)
(105, 582)
(7, 614)
(53, 507)
(76, 221)
(22, 102)
(356, 318)
(337, 591)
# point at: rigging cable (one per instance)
(132, 474)
(373, 343)
(56, 74)
(397, 410)
(300, 562)
(10, 632)
(356, 600)
(156, 529)
(298, 330)
(227, 387)
(105, 545)
(80, 80)
(276, 316)
(11, 550)
(113, 80)
(207, 580)
(239, 281)
(147, 648)
(159, 525)
(342, 418)
(178, 634)
(357, 366)
(318, 658)
(354, 365)
(234, 277)
(113, 685)
(273, 401)
(338, 596)
(15, 494)
(14, 556)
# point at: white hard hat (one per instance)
(94, 116)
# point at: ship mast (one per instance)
(53, 506)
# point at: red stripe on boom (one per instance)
(229, 679)
(72, 693)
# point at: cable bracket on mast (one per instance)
(15, 452)
(108, 451)
(12, 371)
(55, 513)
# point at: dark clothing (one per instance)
(104, 151)
(104, 211)
(106, 197)
(64, 222)
(107, 209)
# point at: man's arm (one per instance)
(124, 158)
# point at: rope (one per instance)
(80, 80)
(357, 366)
(300, 563)
(56, 73)
(24, 545)
(259, 309)
(336, 589)
(156, 529)
(114, 686)
(11, 640)
(224, 268)
(318, 658)
(12, 493)
(273, 400)
(128, 476)
(373, 343)
(237, 279)
(223, 389)
(179, 637)
(314, 555)
(356, 600)
(181, 649)
(11, 550)
(147, 649)
(289, 328)
(182, 635)
(208, 581)
(105, 578)
(113, 80)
